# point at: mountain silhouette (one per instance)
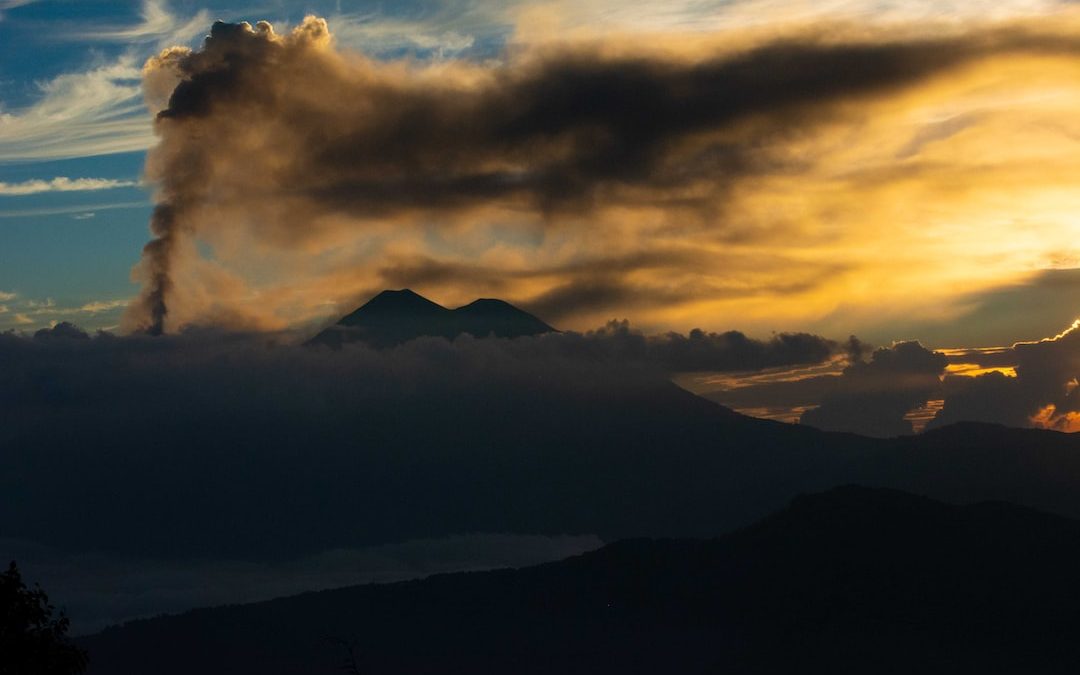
(852, 580)
(395, 317)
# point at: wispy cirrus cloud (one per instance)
(158, 25)
(77, 210)
(12, 4)
(95, 112)
(62, 184)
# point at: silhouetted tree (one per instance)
(32, 641)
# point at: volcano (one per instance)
(392, 318)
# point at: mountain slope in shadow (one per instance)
(395, 317)
(851, 580)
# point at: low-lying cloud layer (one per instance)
(1030, 384)
(678, 178)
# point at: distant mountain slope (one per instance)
(394, 317)
(854, 580)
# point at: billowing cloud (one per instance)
(874, 397)
(1043, 392)
(741, 156)
(696, 351)
(62, 184)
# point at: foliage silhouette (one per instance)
(32, 640)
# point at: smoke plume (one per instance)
(276, 150)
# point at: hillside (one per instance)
(852, 580)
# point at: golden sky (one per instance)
(883, 180)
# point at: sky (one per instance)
(897, 171)
(939, 208)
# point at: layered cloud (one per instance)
(680, 180)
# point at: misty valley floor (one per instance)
(852, 580)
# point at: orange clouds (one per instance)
(818, 178)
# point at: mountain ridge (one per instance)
(830, 583)
(393, 317)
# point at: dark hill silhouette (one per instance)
(535, 455)
(395, 317)
(854, 580)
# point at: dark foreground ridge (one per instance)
(395, 317)
(852, 580)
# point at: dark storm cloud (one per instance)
(872, 397)
(286, 129)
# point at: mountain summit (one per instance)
(395, 317)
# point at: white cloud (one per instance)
(12, 4)
(62, 184)
(102, 306)
(99, 111)
(376, 35)
(95, 112)
(84, 216)
(158, 25)
(4, 296)
(78, 209)
(47, 312)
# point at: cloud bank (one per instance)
(1043, 393)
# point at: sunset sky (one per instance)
(934, 205)
(890, 170)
